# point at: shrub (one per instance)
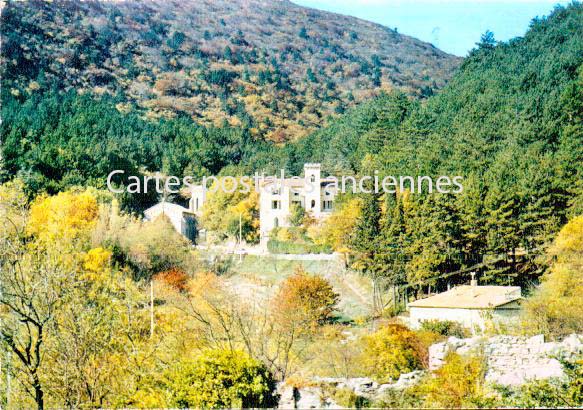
(297, 215)
(221, 378)
(306, 298)
(294, 240)
(148, 247)
(275, 246)
(346, 397)
(390, 351)
(445, 328)
(173, 277)
(458, 383)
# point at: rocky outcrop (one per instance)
(316, 396)
(512, 360)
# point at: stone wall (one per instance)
(512, 360)
(314, 397)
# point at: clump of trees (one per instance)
(308, 298)
(230, 214)
(221, 378)
(392, 350)
(555, 307)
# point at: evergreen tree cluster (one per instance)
(510, 123)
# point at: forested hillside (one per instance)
(103, 309)
(275, 68)
(510, 122)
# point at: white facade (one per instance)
(312, 192)
(473, 319)
(180, 217)
(197, 199)
(276, 196)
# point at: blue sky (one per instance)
(453, 26)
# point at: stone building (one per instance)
(276, 197)
(472, 306)
(183, 219)
(312, 192)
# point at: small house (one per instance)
(183, 219)
(472, 306)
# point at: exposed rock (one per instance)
(311, 397)
(512, 360)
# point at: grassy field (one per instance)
(259, 276)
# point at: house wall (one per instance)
(312, 176)
(269, 217)
(474, 319)
(198, 197)
(172, 211)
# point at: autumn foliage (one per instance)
(391, 351)
(173, 277)
(556, 309)
(306, 297)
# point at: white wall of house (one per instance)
(473, 319)
(198, 196)
(174, 212)
(276, 200)
(274, 208)
(312, 177)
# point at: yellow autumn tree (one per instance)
(556, 309)
(458, 383)
(65, 216)
(391, 351)
(336, 230)
(225, 212)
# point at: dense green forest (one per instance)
(509, 122)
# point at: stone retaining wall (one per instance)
(512, 360)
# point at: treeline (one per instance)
(54, 140)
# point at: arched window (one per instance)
(276, 222)
(313, 203)
(313, 178)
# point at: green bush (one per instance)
(391, 351)
(458, 383)
(221, 378)
(445, 328)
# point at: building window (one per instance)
(297, 203)
(313, 178)
(275, 204)
(327, 205)
(276, 223)
(313, 204)
(196, 206)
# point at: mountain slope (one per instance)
(276, 67)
